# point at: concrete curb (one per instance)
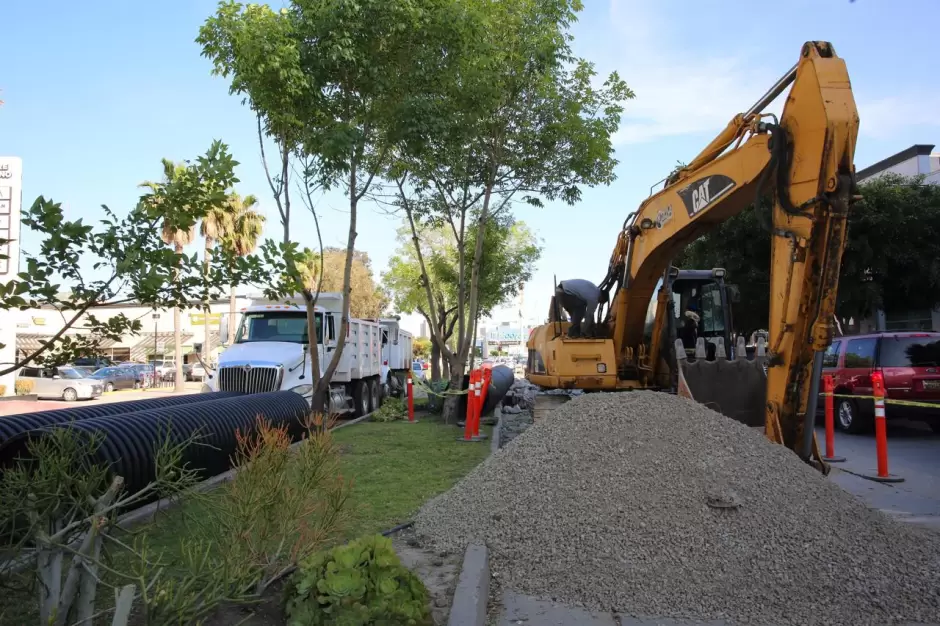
(473, 589)
(147, 512)
(497, 430)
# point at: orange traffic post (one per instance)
(468, 419)
(881, 432)
(828, 387)
(483, 384)
(411, 399)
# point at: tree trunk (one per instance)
(445, 369)
(323, 384)
(435, 362)
(231, 316)
(179, 383)
(207, 332)
(451, 401)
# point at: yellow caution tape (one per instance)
(418, 382)
(929, 405)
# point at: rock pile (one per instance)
(653, 506)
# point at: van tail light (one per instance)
(384, 362)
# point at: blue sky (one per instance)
(96, 93)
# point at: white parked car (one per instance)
(197, 372)
(417, 370)
(165, 368)
(63, 383)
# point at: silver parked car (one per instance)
(66, 383)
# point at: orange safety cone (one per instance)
(828, 387)
(881, 433)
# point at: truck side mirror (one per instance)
(223, 329)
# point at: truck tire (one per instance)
(360, 395)
(375, 395)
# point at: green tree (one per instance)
(890, 259)
(334, 85)
(241, 240)
(510, 253)
(129, 252)
(421, 347)
(523, 119)
(367, 299)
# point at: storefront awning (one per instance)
(27, 343)
(163, 341)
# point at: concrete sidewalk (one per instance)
(913, 454)
(518, 610)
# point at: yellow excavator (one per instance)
(805, 162)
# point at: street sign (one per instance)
(161, 347)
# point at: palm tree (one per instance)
(245, 229)
(179, 239)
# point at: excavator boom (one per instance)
(805, 162)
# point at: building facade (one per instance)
(155, 339)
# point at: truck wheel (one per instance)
(360, 396)
(375, 396)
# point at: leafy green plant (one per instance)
(361, 583)
(393, 409)
(22, 387)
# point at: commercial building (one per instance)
(154, 341)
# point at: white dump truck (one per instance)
(397, 355)
(271, 353)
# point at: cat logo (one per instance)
(703, 193)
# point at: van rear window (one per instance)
(910, 351)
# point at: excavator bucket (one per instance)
(734, 387)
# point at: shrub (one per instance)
(361, 583)
(282, 506)
(393, 409)
(22, 387)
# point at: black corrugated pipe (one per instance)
(13, 425)
(128, 441)
(500, 381)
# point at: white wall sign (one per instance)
(11, 197)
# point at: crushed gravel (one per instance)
(650, 505)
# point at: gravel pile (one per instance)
(653, 506)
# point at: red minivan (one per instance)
(910, 364)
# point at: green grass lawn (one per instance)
(394, 467)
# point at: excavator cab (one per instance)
(713, 367)
(708, 363)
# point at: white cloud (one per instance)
(678, 92)
(681, 91)
(885, 118)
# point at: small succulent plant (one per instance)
(361, 583)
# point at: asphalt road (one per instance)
(12, 407)
(913, 454)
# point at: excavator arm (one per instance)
(805, 162)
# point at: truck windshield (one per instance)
(285, 326)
